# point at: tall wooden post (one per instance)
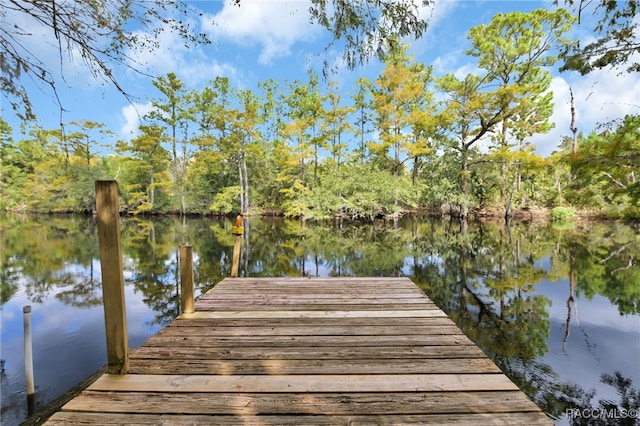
(186, 279)
(237, 230)
(235, 260)
(112, 277)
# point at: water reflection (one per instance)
(556, 308)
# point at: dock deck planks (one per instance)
(298, 351)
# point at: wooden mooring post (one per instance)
(237, 231)
(186, 279)
(108, 218)
(235, 260)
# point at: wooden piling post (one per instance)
(108, 219)
(28, 359)
(236, 256)
(186, 279)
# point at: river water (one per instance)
(556, 307)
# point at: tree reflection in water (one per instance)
(484, 275)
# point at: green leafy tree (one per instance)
(173, 111)
(266, 168)
(50, 180)
(403, 104)
(209, 171)
(336, 125)
(405, 116)
(470, 114)
(363, 106)
(512, 52)
(86, 141)
(302, 141)
(608, 165)
(18, 162)
(306, 111)
(242, 141)
(559, 175)
(148, 167)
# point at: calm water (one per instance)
(558, 309)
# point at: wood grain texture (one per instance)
(110, 246)
(449, 419)
(299, 351)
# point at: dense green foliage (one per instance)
(562, 214)
(406, 141)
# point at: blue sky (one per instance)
(265, 39)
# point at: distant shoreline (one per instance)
(537, 214)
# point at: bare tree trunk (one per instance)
(573, 127)
(464, 185)
(570, 302)
(245, 184)
(241, 179)
(183, 177)
(152, 189)
(174, 152)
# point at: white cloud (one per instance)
(444, 64)
(131, 115)
(561, 117)
(604, 95)
(599, 97)
(274, 25)
(191, 64)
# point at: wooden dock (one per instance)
(298, 351)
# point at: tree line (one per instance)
(407, 140)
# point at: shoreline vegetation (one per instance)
(490, 214)
(303, 149)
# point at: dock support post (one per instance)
(186, 279)
(235, 262)
(28, 359)
(108, 219)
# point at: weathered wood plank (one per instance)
(313, 367)
(280, 341)
(293, 330)
(426, 353)
(346, 300)
(414, 313)
(237, 403)
(265, 308)
(447, 419)
(304, 383)
(308, 293)
(364, 290)
(250, 323)
(342, 281)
